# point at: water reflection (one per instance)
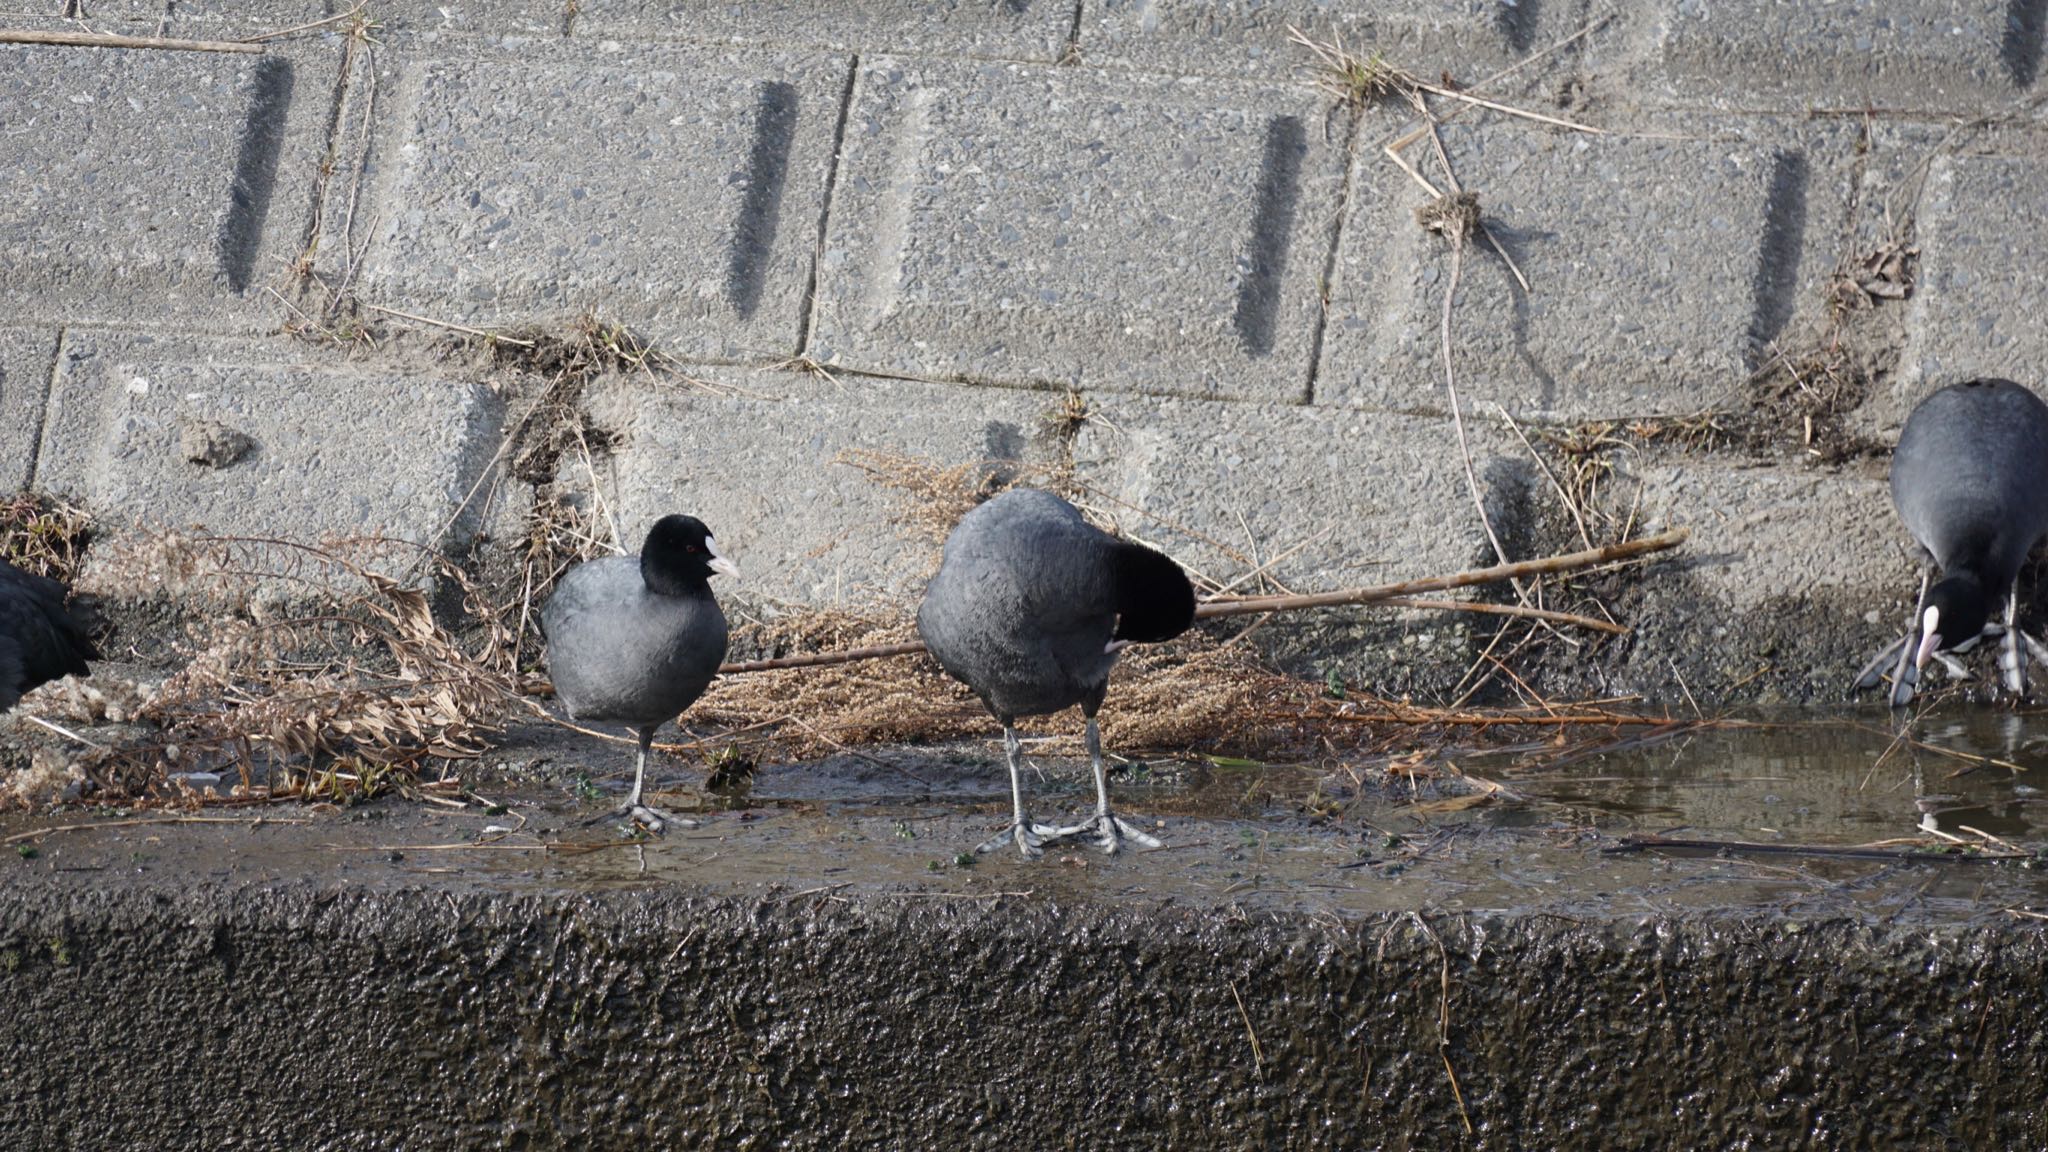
(1977, 776)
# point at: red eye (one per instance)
(691, 548)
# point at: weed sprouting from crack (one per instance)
(1454, 215)
(1353, 79)
(1066, 418)
(806, 366)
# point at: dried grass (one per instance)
(1198, 692)
(41, 535)
(324, 677)
(934, 497)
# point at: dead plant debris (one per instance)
(43, 535)
(1454, 215)
(935, 496)
(326, 678)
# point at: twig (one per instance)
(463, 328)
(60, 730)
(1451, 388)
(820, 890)
(1509, 109)
(260, 37)
(110, 40)
(819, 659)
(1375, 594)
(1258, 1054)
(950, 895)
(1483, 720)
(1443, 1015)
(1569, 562)
(1570, 505)
(1851, 851)
(1520, 610)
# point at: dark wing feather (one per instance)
(46, 642)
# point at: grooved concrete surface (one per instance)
(115, 439)
(962, 209)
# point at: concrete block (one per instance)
(1658, 268)
(674, 189)
(1226, 487)
(336, 448)
(1912, 55)
(1768, 534)
(1028, 224)
(1980, 305)
(25, 358)
(155, 187)
(1468, 39)
(1010, 30)
(761, 465)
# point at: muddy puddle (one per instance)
(1551, 822)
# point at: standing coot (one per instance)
(1030, 607)
(636, 639)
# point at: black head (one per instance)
(1956, 610)
(1154, 600)
(680, 557)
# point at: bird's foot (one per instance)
(1873, 673)
(653, 819)
(1031, 838)
(1111, 831)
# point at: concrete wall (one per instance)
(297, 1014)
(963, 209)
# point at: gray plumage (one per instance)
(1022, 605)
(1029, 607)
(39, 641)
(637, 639)
(1970, 478)
(1970, 481)
(618, 651)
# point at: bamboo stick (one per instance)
(1252, 605)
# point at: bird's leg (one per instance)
(1030, 835)
(2011, 664)
(2036, 650)
(653, 818)
(1111, 830)
(1898, 655)
(1905, 674)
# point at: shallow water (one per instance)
(1978, 776)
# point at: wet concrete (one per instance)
(1308, 963)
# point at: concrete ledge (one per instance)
(368, 1010)
(1095, 229)
(1761, 53)
(1014, 29)
(1658, 269)
(1468, 39)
